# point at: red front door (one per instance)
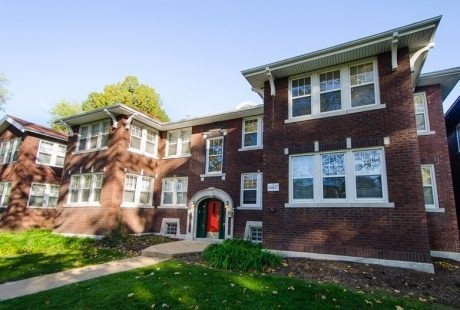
(213, 216)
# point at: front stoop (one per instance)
(176, 248)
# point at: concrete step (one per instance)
(176, 248)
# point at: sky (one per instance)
(190, 52)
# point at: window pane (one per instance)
(420, 120)
(85, 195)
(129, 196)
(302, 167)
(181, 198)
(52, 202)
(334, 187)
(36, 201)
(215, 163)
(249, 196)
(301, 106)
(144, 198)
(329, 81)
(367, 162)
(167, 198)
(44, 158)
(82, 144)
(250, 182)
(362, 74)
(426, 176)
(369, 186)
(362, 95)
(97, 195)
(333, 164)
(250, 139)
(250, 125)
(428, 195)
(303, 188)
(330, 101)
(135, 143)
(60, 161)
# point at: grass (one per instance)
(177, 285)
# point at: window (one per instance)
(5, 192)
(429, 186)
(421, 116)
(138, 190)
(93, 136)
(178, 142)
(51, 153)
(458, 137)
(347, 176)
(85, 188)
(252, 132)
(9, 150)
(214, 155)
(344, 88)
(143, 139)
(251, 190)
(174, 191)
(255, 234)
(43, 195)
(171, 228)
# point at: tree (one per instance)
(4, 93)
(129, 92)
(62, 109)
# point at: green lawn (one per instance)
(176, 285)
(35, 252)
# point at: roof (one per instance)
(415, 36)
(25, 126)
(446, 78)
(452, 115)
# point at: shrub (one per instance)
(239, 255)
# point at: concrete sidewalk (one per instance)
(37, 284)
(177, 248)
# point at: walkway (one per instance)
(177, 248)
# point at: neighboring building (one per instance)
(31, 161)
(452, 118)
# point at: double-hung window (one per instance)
(93, 136)
(85, 188)
(174, 191)
(138, 190)
(5, 192)
(43, 195)
(429, 186)
(214, 155)
(143, 140)
(344, 88)
(9, 150)
(51, 153)
(351, 176)
(252, 132)
(251, 190)
(178, 142)
(421, 115)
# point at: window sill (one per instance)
(249, 208)
(177, 156)
(434, 210)
(135, 205)
(335, 113)
(33, 207)
(340, 205)
(251, 148)
(217, 175)
(44, 164)
(426, 133)
(82, 205)
(143, 153)
(91, 151)
(172, 207)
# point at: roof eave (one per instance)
(446, 78)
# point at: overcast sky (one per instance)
(191, 52)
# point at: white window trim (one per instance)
(351, 199)
(164, 227)
(179, 144)
(247, 229)
(142, 149)
(214, 173)
(90, 202)
(137, 193)
(435, 207)
(47, 193)
(427, 130)
(53, 154)
(260, 125)
(345, 91)
(258, 204)
(174, 203)
(99, 139)
(5, 189)
(16, 144)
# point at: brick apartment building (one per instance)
(31, 161)
(345, 159)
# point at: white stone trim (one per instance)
(449, 255)
(423, 267)
(340, 205)
(169, 220)
(248, 226)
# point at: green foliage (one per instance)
(175, 285)
(130, 93)
(4, 93)
(239, 255)
(60, 110)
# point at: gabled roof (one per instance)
(25, 126)
(415, 36)
(446, 78)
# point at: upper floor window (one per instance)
(429, 186)
(5, 192)
(348, 176)
(251, 190)
(85, 188)
(138, 190)
(51, 153)
(93, 136)
(143, 139)
(421, 112)
(174, 191)
(178, 142)
(9, 150)
(43, 195)
(345, 88)
(252, 132)
(214, 155)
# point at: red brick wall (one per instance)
(443, 228)
(389, 233)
